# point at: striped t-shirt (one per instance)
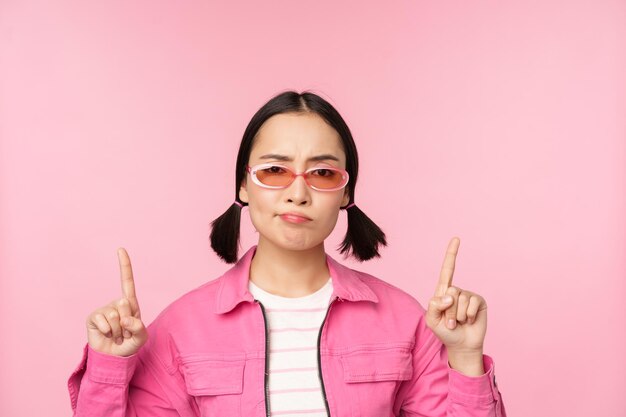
(293, 325)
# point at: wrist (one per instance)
(469, 362)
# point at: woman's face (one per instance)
(296, 137)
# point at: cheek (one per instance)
(258, 198)
(261, 205)
(333, 201)
(329, 205)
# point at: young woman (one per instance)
(289, 331)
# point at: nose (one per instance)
(298, 191)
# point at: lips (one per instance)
(294, 217)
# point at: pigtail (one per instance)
(363, 235)
(225, 233)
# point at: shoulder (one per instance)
(388, 293)
(178, 320)
(404, 308)
(190, 305)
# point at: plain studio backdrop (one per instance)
(500, 123)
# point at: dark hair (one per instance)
(363, 235)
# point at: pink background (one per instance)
(503, 124)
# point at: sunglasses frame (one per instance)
(253, 169)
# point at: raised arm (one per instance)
(452, 376)
(121, 373)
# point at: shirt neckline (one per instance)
(279, 298)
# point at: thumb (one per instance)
(137, 329)
(436, 308)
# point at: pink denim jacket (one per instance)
(206, 356)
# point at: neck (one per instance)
(289, 273)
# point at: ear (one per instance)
(243, 192)
(346, 197)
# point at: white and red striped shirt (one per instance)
(293, 325)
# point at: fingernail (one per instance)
(126, 334)
(447, 298)
(451, 324)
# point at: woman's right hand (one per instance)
(116, 328)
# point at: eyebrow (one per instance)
(323, 157)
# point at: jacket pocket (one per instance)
(216, 385)
(372, 378)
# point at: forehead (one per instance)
(297, 135)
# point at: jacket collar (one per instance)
(233, 285)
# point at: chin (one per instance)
(292, 238)
(297, 244)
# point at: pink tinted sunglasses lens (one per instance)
(274, 176)
(325, 179)
(322, 178)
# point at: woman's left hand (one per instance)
(461, 321)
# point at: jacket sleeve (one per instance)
(437, 390)
(141, 385)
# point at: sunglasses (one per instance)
(274, 176)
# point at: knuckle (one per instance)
(478, 300)
(453, 291)
(94, 317)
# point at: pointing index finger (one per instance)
(128, 282)
(447, 269)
